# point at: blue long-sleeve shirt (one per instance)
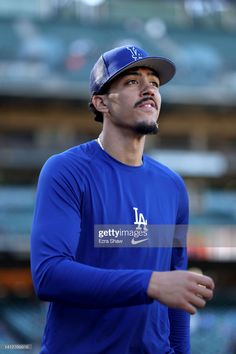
(98, 295)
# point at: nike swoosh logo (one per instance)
(135, 242)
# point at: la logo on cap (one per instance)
(136, 54)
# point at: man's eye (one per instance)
(156, 84)
(132, 82)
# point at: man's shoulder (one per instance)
(163, 170)
(75, 156)
(85, 151)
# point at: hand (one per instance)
(181, 289)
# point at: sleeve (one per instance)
(179, 319)
(57, 276)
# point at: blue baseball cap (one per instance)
(116, 61)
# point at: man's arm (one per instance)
(57, 275)
(182, 291)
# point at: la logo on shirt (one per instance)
(140, 220)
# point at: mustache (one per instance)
(148, 98)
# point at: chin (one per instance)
(145, 128)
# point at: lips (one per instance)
(146, 103)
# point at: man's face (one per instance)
(134, 100)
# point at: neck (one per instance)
(124, 147)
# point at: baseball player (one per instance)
(112, 290)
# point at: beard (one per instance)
(143, 128)
(140, 128)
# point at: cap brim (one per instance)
(164, 68)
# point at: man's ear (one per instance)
(99, 102)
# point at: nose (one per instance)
(147, 89)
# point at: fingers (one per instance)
(190, 309)
(198, 301)
(201, 291)
(205, 281)
(194, 302)
(204, 292)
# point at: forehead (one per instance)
(136, 71)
